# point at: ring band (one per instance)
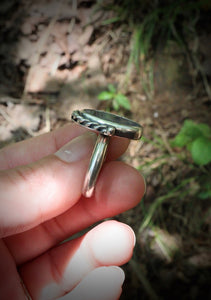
(107, 125)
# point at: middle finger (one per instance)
(119, 188)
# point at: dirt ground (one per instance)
(57, 57)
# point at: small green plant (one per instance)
(117, 100)
(197, 139)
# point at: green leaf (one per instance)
(115, 105)
(189, 132)
(195, 130)
(181, 140)
(105, 95)
(189, 146)
(205, 194)
(205, 129)
(111, 20)
(201, 151)
(111, 88)
(191, 129)
(123, 101)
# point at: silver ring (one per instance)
(107, 125)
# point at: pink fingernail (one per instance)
(79, 148)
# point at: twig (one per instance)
(6, 99)
(165, 141)
(154, 207)
(47, 120)
(146, 284)
(158, 201)
(10, 121)
(5, 116)
(203, 75)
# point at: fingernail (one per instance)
(133, 233)
(79, 148)
(119, 273)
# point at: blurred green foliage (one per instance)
(197, 139)
(116, 99)
(154, 22)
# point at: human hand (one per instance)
(41, 205)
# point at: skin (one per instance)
(34, 221)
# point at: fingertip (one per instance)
(111, 243)
(118, 273)
(120, 186)
(103, 283)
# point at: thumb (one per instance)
(34, 193)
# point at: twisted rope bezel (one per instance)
(79, 117)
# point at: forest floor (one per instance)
(58, 58)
